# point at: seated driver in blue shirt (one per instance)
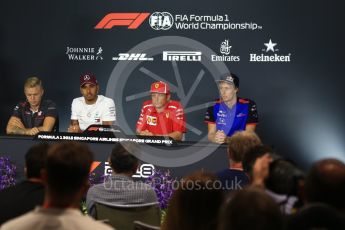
(230, 113)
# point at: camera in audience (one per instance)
(284, 176)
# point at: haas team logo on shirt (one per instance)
(151, 120)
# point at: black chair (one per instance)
(122, 217)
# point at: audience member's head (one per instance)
(122, 161)
(195, 204)
(250, 208)
(67, 170)
(250, 157)
(316, 216)
(35, 160)
(240, 143)
(325, 183)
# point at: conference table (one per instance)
(165, 155)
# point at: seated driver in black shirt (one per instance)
(33, 115)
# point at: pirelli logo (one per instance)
(131, 20)
(182, 56)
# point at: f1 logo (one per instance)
(131, 20)
(94, 165)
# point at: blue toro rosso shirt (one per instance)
(232, 119)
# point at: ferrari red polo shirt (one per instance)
(170, 120)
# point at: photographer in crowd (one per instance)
(281, 179)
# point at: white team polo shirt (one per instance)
(102, 110)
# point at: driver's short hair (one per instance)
(33, 82)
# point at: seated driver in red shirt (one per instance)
(161, 116)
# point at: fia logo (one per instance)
(161, 20)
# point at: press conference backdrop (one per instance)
(288, 55)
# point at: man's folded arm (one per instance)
(15, 126)
(48, 124)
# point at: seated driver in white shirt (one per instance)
(91, 108)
